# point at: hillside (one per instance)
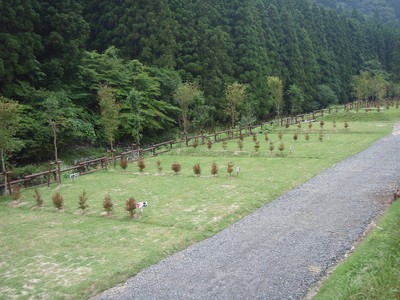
(383, 10)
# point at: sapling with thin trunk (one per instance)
(257, 146)
(130, 206)
(271, 147)
(38, 198)
(58, 200)
(280, 135)
(82, 202)
(123, 163)
(214, 169)
(197, 169)
(176, 167)
(281, 148)
(141, 165)
(307, 136)
(159, 167)
(240, 144)
(108, 204)
(229, 169)
(224, 144)
(209, 144)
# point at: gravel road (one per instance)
(284, 248)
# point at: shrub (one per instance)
(141, 165)
(271, 146)
(299, 125)
(334, 124)
(240, 144)
(287, 125)
(224, 144)
(123, 163)
(307, 136)
(82, 202)
(266, 137)
(295, 136)
(214, 169)
(255, 137)
(58, 200)
(16, 193)
(197, 169)
(256, 146)
(346, 125)
(309, 125)
(321, 136)
(130, 206)
(176, 168)
(280, 135)
(108, 204)
(241, 136)
(321, 123)
(159, 167)
(209, 144)
(230, 168)
(195, 143)
(38, 198)
(281, 148)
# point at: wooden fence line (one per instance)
(137, 153)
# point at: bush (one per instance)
(346, 125)
(141, 165)
(159, 167)
(123, 163)
(321, 124)
(266, 137)
(16, 193)
(295, 136)
(230, 168)
(309, 125)
(58, 200)
(197, 169)
(271, 147)
(38, 198)
(320, 136)
(240, 144)
(195, 143)
(255, 137)
(209, 144)
(214, 169)
(280, 135)
(130, 206)
(108, 204)
(176, 168)
(82, 202)
(257, 146)
(281, 148)
(307, 136)
(224, 144)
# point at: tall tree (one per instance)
(276, 90)
(109, 110)
(235, 95)
(10, 115)
(186, 95)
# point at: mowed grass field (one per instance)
(51, 255)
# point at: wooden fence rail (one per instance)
(54, 173)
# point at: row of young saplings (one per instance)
(58, 201)
(271, 147)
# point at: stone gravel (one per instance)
(286, 247)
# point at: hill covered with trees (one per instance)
(58, 57)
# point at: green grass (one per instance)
(46, 254)
(373, 271)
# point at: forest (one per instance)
(62, 60)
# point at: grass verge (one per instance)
(52, 255)
(373, 270)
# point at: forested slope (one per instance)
(143, 49)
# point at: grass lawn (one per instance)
(52, 255)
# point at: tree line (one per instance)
(102, 72)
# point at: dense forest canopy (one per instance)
(145, 49)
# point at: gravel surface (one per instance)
(284, 248)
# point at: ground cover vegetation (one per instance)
(372, 272)
(98, 239)
(140, 71)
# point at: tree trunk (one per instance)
(3, 166)
(54, 127)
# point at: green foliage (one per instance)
(109, 110)
(38, 198)
(82, 203)
(276, 89)
(235, 95)
(296, 97)
(108, 204)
